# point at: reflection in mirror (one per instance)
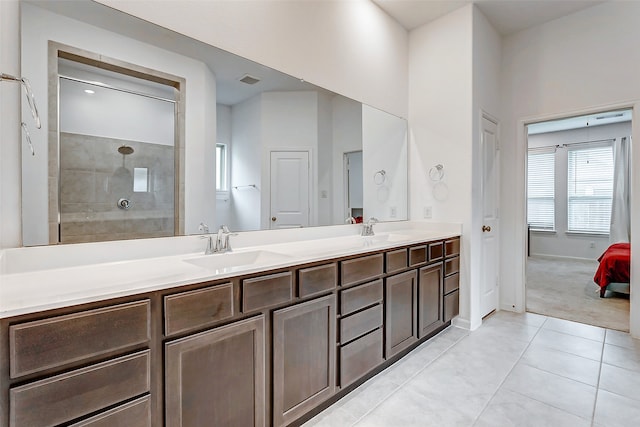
(353, 184)
(249, 132)
(116, 154)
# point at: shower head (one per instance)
(125, 150)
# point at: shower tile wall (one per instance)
(94, 176)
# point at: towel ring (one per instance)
(436, 173)
(379, 177)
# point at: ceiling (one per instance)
(507, 16)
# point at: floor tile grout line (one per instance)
(595, 401)
(400, 386)
(552, 373)
(509, 373)
(561, 375)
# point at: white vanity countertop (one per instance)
(43, 278)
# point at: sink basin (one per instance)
(333, 245)
(391, 237)
(232, 261)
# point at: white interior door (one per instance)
(289, 189)
(490, 249)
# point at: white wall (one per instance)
(246, 164)
(347, 137)
(350, 47)
(325, 196)
(581, 63)
(199, 123)
(115, 114)
(559, 243)
(223, 135)
(486, 51)
(384, 148)
(289, 123)
(440, 118)
(10, 136)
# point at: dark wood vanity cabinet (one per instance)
(401, 320)
(79, 368)
(217, 377)
(266, 349)
(430, 315)
(304, 357)
(451, 299)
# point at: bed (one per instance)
(613, 273)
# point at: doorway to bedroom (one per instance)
(578, 172)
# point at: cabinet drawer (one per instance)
(436, 251)
(360, 323)
(354, 299)
(64, 397)
(396, 260)
(451, 283)
(57, 341)
(318, 279)
(360, 356)
(451, 266)
(133, 414)
(361, 269)
(197, 308)
(264, 291)
(451, 306)
(452, 247)
(417, 255)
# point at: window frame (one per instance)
(588, 231)
(222, 192)
(552, 152)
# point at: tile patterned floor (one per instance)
(515, 370)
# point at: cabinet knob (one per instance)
(486, 228)
(273, 219)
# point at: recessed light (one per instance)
(89, 91)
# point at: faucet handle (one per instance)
(203, 228)
(373, 220)
(224, 228)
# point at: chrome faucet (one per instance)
(204, 229)
(222, 240)
(367, 229)
(221, 243)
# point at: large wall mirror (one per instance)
(237, 143)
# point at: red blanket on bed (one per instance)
(615, 265)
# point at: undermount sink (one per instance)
(383, 238)
(231, 261)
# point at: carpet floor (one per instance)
(564, 288)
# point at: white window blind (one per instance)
(221, 167)
(590, 189)
(540, 190)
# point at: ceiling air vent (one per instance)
(250, 80)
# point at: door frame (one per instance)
(345, 182)
(520, 236)
(265, 214)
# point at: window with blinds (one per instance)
(590, 189)
(541, 190)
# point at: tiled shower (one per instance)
(95, 176)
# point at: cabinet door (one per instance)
(429, 299)
(217, 377)
(401, 300)
(304, 354)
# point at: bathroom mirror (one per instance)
(261, 149)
